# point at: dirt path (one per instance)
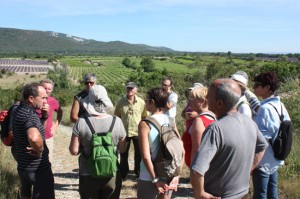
(65, 169)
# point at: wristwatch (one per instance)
(155, 180)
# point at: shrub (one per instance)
(126, 62)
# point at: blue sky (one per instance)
(239, 26)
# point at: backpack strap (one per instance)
(281, 117)
(89, 124)
(154, 122)
(209, 115)
(112, 124)
(93, 130)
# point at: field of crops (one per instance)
(24, 66)
(110, 70)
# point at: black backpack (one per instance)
(282, 144)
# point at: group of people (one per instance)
(227, 139)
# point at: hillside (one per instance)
(32, 41)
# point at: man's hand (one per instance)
(45, 110)
(205, 195)
(33, 152)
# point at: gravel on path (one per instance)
(65, 170)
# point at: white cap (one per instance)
(195, 85)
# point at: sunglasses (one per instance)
(87, 83)
(256, 84)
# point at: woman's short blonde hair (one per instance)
(199, 93)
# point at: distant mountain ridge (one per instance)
(33, 41)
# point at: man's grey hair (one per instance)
(225, 92)
(89, 76)
(47, 81)
(30, 89)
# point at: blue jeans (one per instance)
(265, 185)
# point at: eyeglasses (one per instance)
(166, 85)
(91, 83)
(257, 84)
(147, 100)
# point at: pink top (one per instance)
(54, 106)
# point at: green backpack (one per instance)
(102, 161)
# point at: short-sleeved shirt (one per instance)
(54, 106)
(173, 98)
(82, 130)
(131, 114)
(25, 117)
(226, 154)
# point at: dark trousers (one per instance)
(124, 167)
(37, 185)
(96, 188)
(117, 191)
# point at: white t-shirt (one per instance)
(244, 107)
(173, 98)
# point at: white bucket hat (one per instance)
(241, 77)
(97, 102)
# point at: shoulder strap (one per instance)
(241, 103)
(209, 115)
(280, 116)
(89, 124)
(154, 122)
(112, 124)
(93, 130)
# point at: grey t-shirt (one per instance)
(102, 124)
(226, 154)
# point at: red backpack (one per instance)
(5, 117)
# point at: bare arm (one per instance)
(122, 145)
(59, 115)
(197, 181)
(169, 105)
(35, 141)
(143, 133)
(74, 111)
(74, 145)
(197, 130)
(257, 158)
